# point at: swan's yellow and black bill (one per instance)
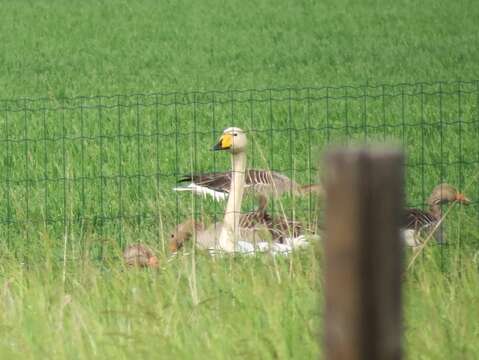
(224, 143)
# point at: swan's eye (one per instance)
(235, 134)
(172, 235)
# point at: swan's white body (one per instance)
(227, 237)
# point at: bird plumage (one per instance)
(229, 235)
(416, 221)
(139, 255)
(257, 181)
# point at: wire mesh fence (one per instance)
(90, 173)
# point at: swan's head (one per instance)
(233, 140)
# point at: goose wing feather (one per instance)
(417, 219)
(257, 181)
(217, 181)
(269, 182)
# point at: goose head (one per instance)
(233, 140)
(183, 232)
(444, 193)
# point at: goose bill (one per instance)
(461, 198)
(225, 142)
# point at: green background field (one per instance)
(106, 104)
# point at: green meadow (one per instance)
(105, 105)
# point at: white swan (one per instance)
(227, 236)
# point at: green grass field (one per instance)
(84, 175)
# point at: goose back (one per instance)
(263, 182)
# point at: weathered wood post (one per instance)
(363, 253)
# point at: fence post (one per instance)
(363, 253)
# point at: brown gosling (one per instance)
(139, 255)
(183, 232)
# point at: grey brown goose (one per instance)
(416, 220)
(257, 181)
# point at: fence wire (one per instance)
(94, 173)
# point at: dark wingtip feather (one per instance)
(185, 178)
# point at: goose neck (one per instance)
(230, 231)
(435, 210)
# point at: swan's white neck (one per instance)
(230, 230)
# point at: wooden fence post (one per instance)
(363, 253)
